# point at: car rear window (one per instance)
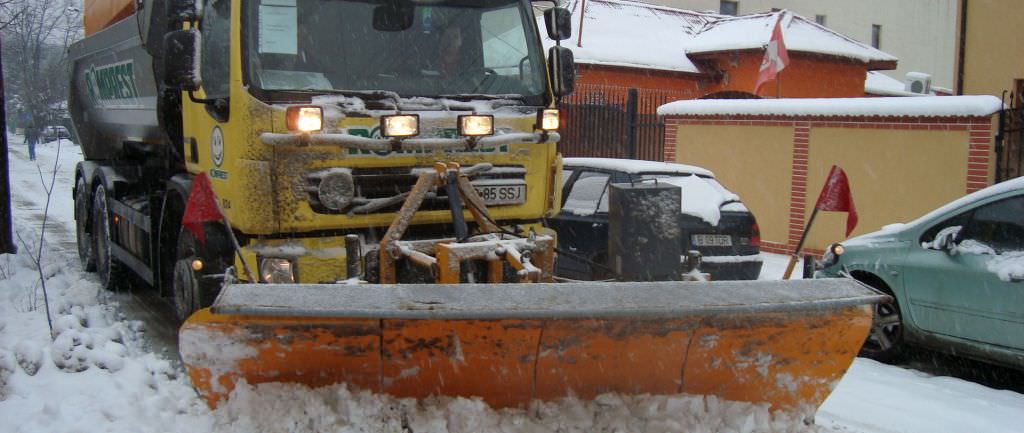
(586, 193)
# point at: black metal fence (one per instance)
(614, 122)
(1010, 143)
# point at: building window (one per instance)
(820, 19)
(876, 35)
(727, 7)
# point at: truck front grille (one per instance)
(376, 184)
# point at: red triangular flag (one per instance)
(835, 196)
(775, 56)
(201, 207)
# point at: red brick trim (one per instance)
(798, 183)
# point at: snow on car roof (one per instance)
(999, 188)
(945, 106)
(633, 166)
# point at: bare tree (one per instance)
(36, 37)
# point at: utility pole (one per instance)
(6, 239)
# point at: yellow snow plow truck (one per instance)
(377, 172)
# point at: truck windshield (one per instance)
(431, 48)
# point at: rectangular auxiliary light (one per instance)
(400, 125)
(304, 118)
(548, 119)
(475, 125)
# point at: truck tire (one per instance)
(86, 252)
(194, 290)
(108, 268)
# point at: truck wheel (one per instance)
(194, 290)
(107, 267)
(86, 252)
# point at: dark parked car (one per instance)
(713, 220)
(957, 276)
(53, 132)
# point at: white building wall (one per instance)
(921, 33)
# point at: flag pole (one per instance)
(579, 36)
(778, 85)
(799, 245)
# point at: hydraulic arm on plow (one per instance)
(532, 258)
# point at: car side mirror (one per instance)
(558, 22)
(946, 239)
(394, 16)
(181, 59)
(562, 70)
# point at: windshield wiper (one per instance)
(483, 96)
(366, 95)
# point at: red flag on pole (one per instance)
(775, 56)
(835, 196)
(201, 207)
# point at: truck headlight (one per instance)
(304, 118)
(400, 125)
(547, 119)
(275, 270)
(475, 125)
(336, 190)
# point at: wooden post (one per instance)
(799, 246)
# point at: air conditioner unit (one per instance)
(918, 82)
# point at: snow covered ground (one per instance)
(97, 375)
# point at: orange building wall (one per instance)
(807, 76)
(688, 84)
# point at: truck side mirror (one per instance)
(394, 16)
(182, 11)
(562, 70)
(558, 21)
(181, 59)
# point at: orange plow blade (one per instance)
(783, 343)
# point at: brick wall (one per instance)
(979, 161)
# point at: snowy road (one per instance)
(103, 374)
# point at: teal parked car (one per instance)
(956, 275)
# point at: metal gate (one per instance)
(1010, 143)
(614, 122)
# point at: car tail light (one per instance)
(755, 235)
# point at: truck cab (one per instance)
(311, 119)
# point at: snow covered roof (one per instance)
(944, 106)
(633, 34)
(749, 32)
(877, 83)
(634, 166)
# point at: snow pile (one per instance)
(875, 397)
(946, 106)
(293, 408)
